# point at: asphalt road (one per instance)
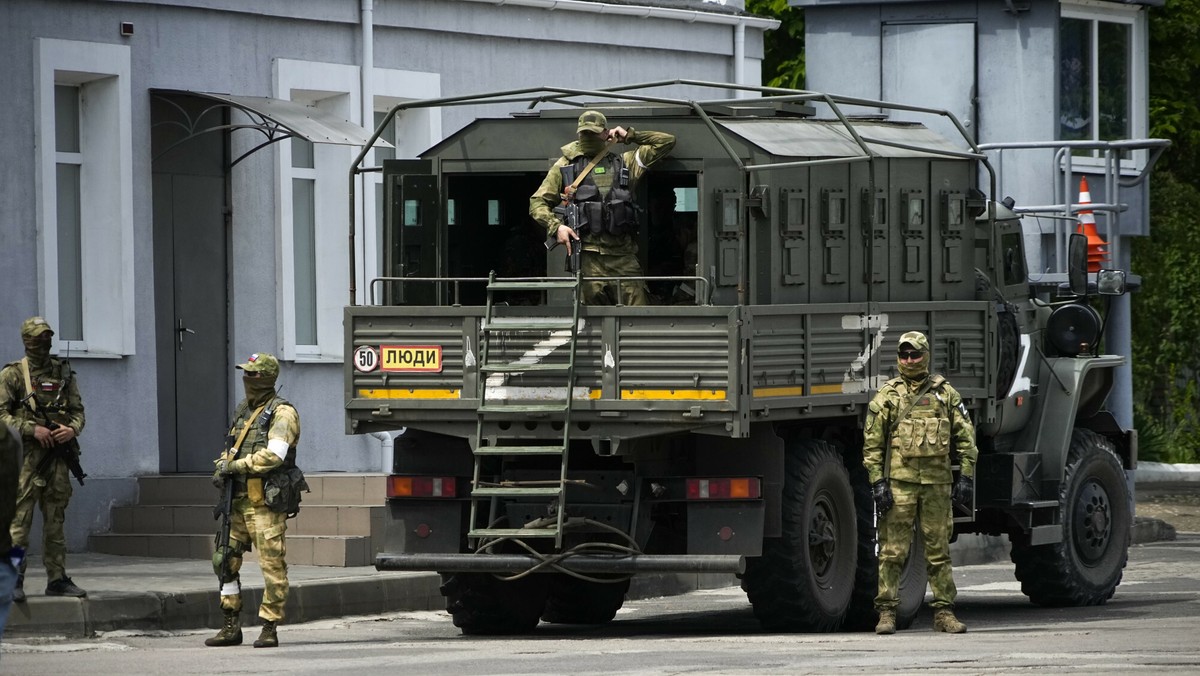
(1149, 626)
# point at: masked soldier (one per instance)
(33, 390)
(11, 558)
(264, 434)
(599, 186)
(913, 425)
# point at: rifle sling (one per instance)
(237, 446)
(28, 384)
(569, 192)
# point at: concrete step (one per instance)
(303, 550)
(334, 488)
(365, 520)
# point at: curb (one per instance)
(1161, 472)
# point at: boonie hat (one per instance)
(593, 121)
(261, 362)
(35, 326)
(916, 340)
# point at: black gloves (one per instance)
(882, 493)
(964, 491)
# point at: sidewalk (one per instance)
(169, 594)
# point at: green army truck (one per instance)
(553, 450)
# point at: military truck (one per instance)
(552, 450)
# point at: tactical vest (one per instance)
(615, 213)
(49, 390)
(256, 438)
(925, 431)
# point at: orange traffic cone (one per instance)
(1097, 254)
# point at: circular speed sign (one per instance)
(366, 359)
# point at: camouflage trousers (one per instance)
(928, 505)
(595, 264)
(51, 493)
(264, 530)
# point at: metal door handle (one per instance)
(180, 330)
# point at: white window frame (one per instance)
(1132, 16)
(102, 71)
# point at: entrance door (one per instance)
(911, 51)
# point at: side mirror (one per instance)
(1077, 263)
(1110, 282)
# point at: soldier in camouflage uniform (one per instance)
(274, 431)
(11, 558)
(54, 392)
(608, 221)
(907, 453)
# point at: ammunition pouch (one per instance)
(282, 490)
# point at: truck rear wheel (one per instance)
(1086, 567)
(482, 604)
(575, 601)
(803, 580)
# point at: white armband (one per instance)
(278, 447)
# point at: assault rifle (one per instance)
(568, 212)
(68, 452)
(224, 513)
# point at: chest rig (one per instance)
(615, 212)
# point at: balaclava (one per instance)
(914, 370)
(260, 388)
(37, 335)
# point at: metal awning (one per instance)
(823, 138)
(276, 119)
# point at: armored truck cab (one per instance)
(719, 428)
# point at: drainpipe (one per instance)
(367, 101)
(387, 448)
(739, 58)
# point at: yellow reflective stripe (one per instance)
(593, 394)
(779, 391)
(827, 389)
(672, 394)
(409, 394)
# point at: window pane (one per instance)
(304, 252)
(70, 264)
(1114, 57)
(685, 199)
(66, 119)
(1075, 79)
(302, 153)
(388, 135)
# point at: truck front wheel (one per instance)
(803, 580)
(482, 604)
(1085, 568)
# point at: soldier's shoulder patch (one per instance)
(924, 401)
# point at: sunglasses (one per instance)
(910, 354)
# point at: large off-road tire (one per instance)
(861, 615)
(803, 580)
(1086, 567)
(481, 604)
(575, 601)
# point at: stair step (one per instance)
(532, 286)
(333, 488)
(514, 367)
(191, 519)
(528, 324)
(523, 408)
(513, 532)
(508, 491)
(519, 450)
(302, 550)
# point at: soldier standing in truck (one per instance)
(914, 422)
(595, 186)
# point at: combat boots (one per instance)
(887, 622)
(231, 631)
(19, 590)
(268, 638)
(63, 586)
(944, 620)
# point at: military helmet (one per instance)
(593, 121)
(261, 362)
(34, 327)
(914, 339)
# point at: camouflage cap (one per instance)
(916, 340)
(593, 121)
(35, 326)
(261, 362)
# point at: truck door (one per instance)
(412, 246)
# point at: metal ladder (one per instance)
(492, 328)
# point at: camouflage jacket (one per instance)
(652, 147)
(255, 457)
(917, 448)
(10, 469)
(54, 389)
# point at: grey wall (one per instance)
(220, 46)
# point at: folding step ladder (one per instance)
(494, 329)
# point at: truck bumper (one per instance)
(516, 563)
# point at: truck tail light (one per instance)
(421, 487)
(724, 489)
